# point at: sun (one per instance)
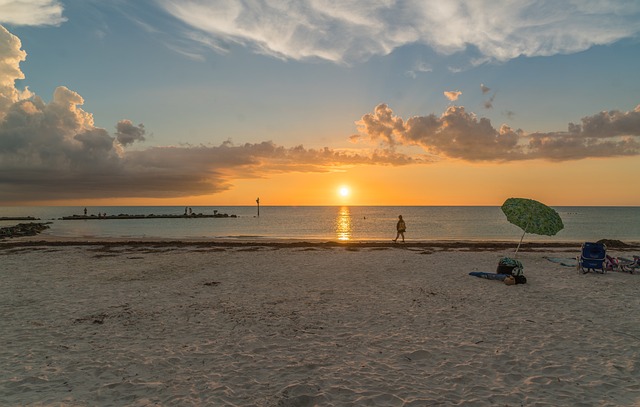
(344, 191)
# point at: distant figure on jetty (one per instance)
(400, 227)
(190, 212)
(185, 210)
(85, 211)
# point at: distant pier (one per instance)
(151, 216)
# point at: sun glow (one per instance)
(344, 191)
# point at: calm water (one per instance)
(335, 223)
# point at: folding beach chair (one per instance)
(592, 258)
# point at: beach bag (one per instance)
(611, 263)
(509, 266)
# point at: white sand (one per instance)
(304, 326)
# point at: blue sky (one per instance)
(485, 82)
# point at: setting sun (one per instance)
(344, 191)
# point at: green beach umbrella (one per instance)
(532, 217)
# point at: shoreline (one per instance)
(439, 244)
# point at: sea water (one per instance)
(341, 223)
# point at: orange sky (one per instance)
(579, 183)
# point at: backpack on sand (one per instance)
(512, 267)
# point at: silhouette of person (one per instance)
(85, 211)
(400, 227)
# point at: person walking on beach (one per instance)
(400, 227)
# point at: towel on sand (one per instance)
(490, 276)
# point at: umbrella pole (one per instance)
(525, 232)
(518, 248)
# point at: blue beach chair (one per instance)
(592, 258)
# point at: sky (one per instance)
(319, 102)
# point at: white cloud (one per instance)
(419, 67)
(354, 30)
(11, 55)
(31, 12)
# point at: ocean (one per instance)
(335, 223)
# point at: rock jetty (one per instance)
(23, 229)
(151, 216)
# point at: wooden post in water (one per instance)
(258, 202)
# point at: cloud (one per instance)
(31, 12)
(488, 104)
(54, 151)
(462, 135)
(452, 95)
(127, 133)
(509, 113)
(11, 55)
(419, 67)
(605, 134)
(353, 30)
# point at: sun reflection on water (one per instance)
(343, 224)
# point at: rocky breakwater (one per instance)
(23, 229)
(151, 216)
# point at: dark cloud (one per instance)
(462, 135)
(127, 133)
(605, 134)
(53, 151)
(96, 171)
(488, 104)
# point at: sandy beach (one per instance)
(304, 324)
